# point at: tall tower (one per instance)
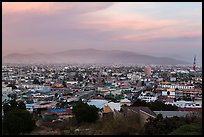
(148, 71)
(194, 65)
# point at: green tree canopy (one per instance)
(13, 105)
(188, 129)
(85, 113)
(21, 105)
(6, 108)
(64, 84)
(18, 121)
(36, 81)
(80, 78)
(12, 86)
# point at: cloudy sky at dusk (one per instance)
(158, 28)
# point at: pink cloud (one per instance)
(129, 24)
(52, 7)
(132, 27)
(110, 21)
(158, 35)
(16, 7)
(140, 28)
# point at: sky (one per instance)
(161, 29)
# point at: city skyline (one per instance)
(153, 28)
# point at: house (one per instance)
(148, 96)
(168, 100)
(179, 94)
(144, 113)
(30, 107)
(125, 102)
(186, 104)
(103, 89)
(6, 89)
(179, 86)
(173, 113)
(43, 89)
(170, 93)
(126, 89)
(72, 82)
(99, 103)
(111, 109)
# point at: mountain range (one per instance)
(90, 56)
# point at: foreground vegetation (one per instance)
(16, 119)
(130, 125)
(87, 122)
(173, 125)
(188, 129)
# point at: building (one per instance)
(99, 103)
(148, 96)
(144, 113)
(186, 104)
(125, 102)
(170, 93)
(178, 86)
(173, 113)
(111, 107)
(148, 70)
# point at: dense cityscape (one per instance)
(50, 92)
(101, 68)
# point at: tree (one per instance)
(56, 95)
(6, 108)
(103, 81)
(13, 96)
(85, 113)
(64, 84)
(42, 82)
(13, 104)
(36, 81)
(12, 86)
(80, 78)
(9, 95)
(168, 93)
(21, 105)
(163, 126)
(18, 121)
(94, 81)
(57, 105)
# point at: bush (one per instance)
(188, 129)
(18, 121)
(164, 126)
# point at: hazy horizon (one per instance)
(159, 29)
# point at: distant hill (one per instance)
(90, 56)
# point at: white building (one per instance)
(148, 96)
(175, 86)
(186, 104)
(125, 102)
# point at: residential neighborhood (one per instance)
(51, 91)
